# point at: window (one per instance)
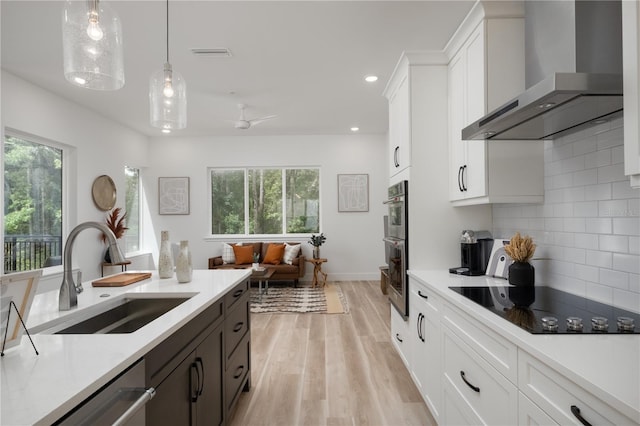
(132, 207)
(264, 201)
(33, 204)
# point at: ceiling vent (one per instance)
(216, 52)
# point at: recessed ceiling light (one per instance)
(371, 78)
(355, 129)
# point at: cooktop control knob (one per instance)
(574, 324)
(549, 323)
(599, 324)
(625, 324)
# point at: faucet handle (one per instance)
(79, 288)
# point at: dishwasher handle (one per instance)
(146, 396)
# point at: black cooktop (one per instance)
(535, 308)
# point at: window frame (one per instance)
(246, 235)
(69, 170)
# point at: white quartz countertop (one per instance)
(608, 366)
(39, 389)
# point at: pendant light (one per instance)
(92, 45)
(168, 95)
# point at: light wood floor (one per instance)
(337, 369)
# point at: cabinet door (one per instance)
(172, 404)
(399, 128)
(209, 360)
(457, 150)
(400, 336)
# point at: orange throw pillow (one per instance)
(274, 254)
(244, 254)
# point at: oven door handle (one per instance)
(147, 395)
(393, 242)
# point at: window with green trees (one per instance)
(32, 204)
(132, 207)
(265, 201)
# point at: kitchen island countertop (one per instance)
(39, 389)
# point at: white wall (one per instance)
(99, 146)
(589, 224)
(354, 245)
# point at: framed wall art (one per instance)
(353, 193)
(173, 195)
(18, 289)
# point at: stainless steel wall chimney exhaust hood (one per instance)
(578, 47)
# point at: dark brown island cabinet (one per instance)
(199, 371)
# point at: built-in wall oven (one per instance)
(396, 247)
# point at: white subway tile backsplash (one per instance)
(626, 226)
(614, 243)
(586, 177)
(623, 190)
(626, 262)
(615, 279)
(588, 227)
(597, 192)
(597, 159)
(587, 241)
(598, 225)
(613, 173)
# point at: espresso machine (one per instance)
(475, 251)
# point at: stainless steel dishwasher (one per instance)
(119, 402)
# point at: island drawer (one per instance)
(236, 325)
(235, 294)
(563, 400)
(495, 349)
(236, 372)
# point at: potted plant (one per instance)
(521, 249)
(316, 241)
(117, 225)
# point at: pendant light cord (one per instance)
(167, 31)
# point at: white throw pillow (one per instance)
(228, 256)
(290, 253)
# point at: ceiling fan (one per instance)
(243, 123)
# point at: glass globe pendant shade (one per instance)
(168, 99)
(92, 45)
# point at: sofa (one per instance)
(283, 271)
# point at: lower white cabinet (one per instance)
(563, 400)
(426, 345)
(480, 393)
(400, 336)
(529, 414)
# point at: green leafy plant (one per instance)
(317, 240)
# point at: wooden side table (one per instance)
(122, 265)
(317, 272)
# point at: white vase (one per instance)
(184, 267)
(165, 260)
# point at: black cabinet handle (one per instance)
(424, 296)
(395, 156)
(238, 293)
(194, 392)
(464, 169)
(238, 327)
(422, 328)
(200, 374)
(459, 179)
(475, 388)
(239, 371)
(398, 338)
(418, 325)
(576, 412)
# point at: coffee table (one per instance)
(261, 276)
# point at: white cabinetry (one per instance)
(426, 345)
(631, 64)
(562, 400)
(400, 336)
(399, 123)
(485, 71)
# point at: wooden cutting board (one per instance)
(121, 280)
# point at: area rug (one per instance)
(323, 300)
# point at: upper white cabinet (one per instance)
(631, 64)
(399, 124)
(485, 71)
